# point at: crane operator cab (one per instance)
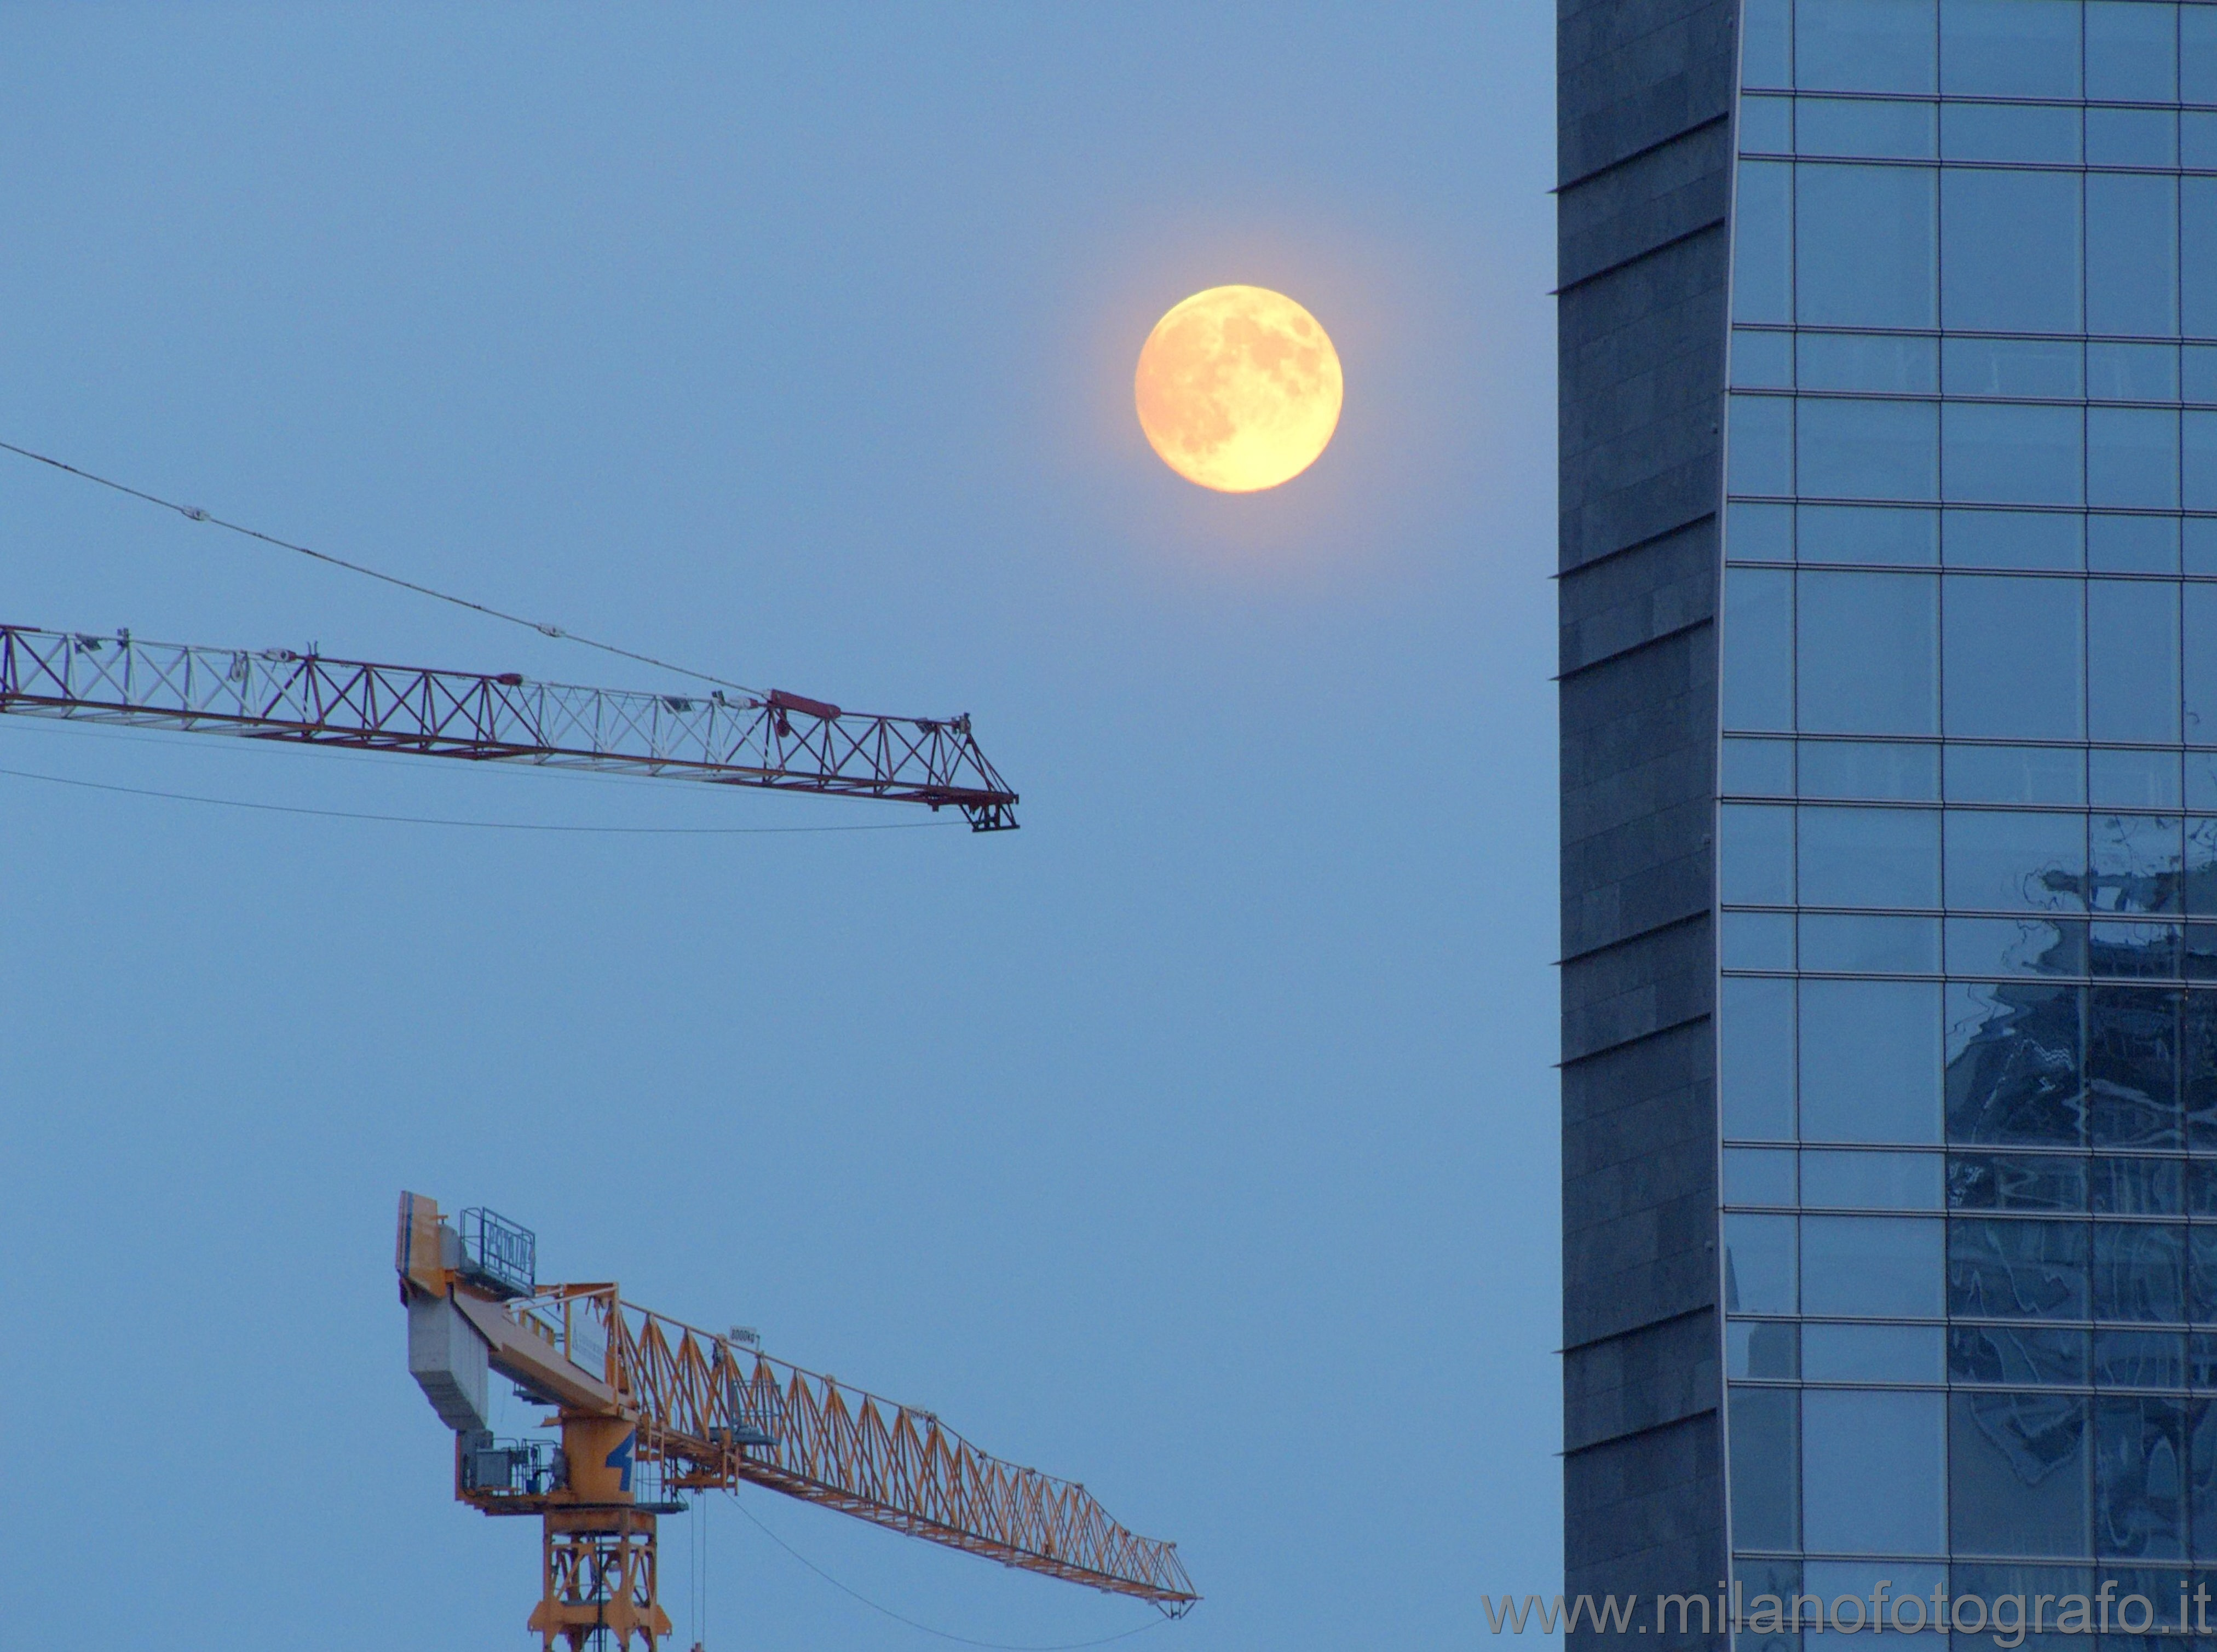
(470, 1288)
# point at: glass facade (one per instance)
(1967, 839)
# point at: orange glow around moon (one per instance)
(1238, 389)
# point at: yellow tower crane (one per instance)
(648, 1408)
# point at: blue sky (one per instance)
(1197, 1141)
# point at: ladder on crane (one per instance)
(649, 1407)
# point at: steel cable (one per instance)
(944, 1635)
(195, 513)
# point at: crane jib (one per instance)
(651, 1408)
(779, 742)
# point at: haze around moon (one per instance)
(1238, 389)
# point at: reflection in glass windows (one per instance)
(2016, 946)
(2140, 1477)
(2135, 864)
(2002, 1268)
(2018, 1474)
(2137, 1187)
(2134, 780)
(2140, 1273)
(1973, 432)
(1766, 1349)
(2016, 860)
(2197, 1038)
(2013, 1065)
(2202, 1274)
(2001, 1181)
(1870, 944)
(2132, 1066)
(2018, 1356)
(2147, 1359)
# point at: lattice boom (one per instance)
(782, 741)
(700, 1398)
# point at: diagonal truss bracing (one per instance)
(780, 741)
(717, 1412)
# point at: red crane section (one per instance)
(777, 741)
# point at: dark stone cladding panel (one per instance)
(1639, 1157)
(1643, 159)
(1647, 1378)
(1646, 985)
(1637, 764)
(1634, 73)
(1659, 196)
(1646, 1516)
(1627, 601)
(1641, 356)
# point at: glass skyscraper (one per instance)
(1889, 599)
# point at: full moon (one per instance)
(1238, 389)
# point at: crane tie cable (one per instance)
(960, 1640)
(477, 825)
(195, 513)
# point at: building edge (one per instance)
(1644, 101)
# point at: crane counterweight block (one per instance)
(650, 1408)
(724, 739)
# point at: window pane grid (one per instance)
(1968, 657)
